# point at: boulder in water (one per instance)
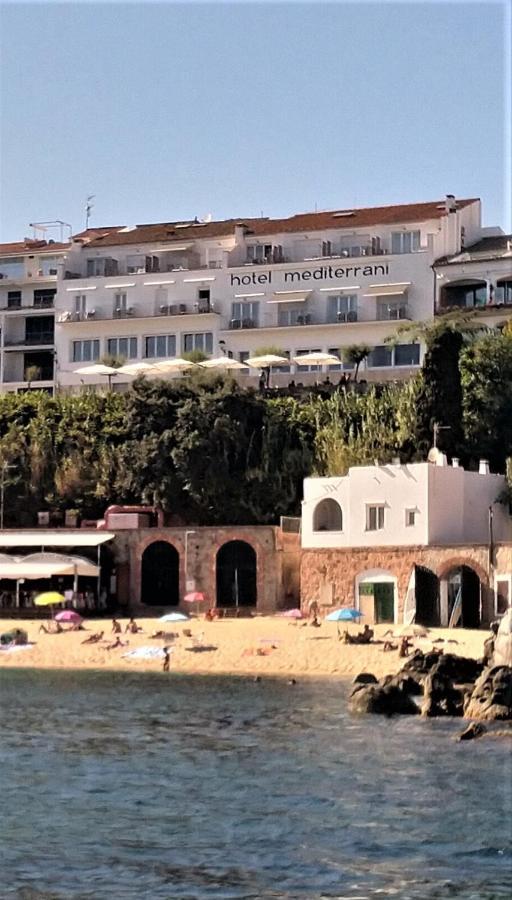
(491, 698)
(386, 700)
(365, 678)
(475, 730)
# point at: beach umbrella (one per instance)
(225, 363)
(413, 631)
(98, 369)
(344, 615)
(69, 615)
(195, 597)
(49, 598)
(267, 361)
(317, 359)
(140, 368)
(292, 614)
(173, 617)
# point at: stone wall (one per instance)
(277, 556)
(329, 576)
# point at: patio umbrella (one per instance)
(140, 368)
(168, 366)
(49, 598)
(195, 597)
(317, 359)
(69, 615)
(173, 617)
(225, 363)
(267, 361)
(344, 615)
(292, 614)
(98, 369)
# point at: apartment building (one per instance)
(478, 278)
(311, 282)
(28, 285)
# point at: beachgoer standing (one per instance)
(167, 660)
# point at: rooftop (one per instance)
(116, 235)
(22, 248)
(496, 247)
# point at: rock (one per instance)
(385, 700)
(475, 730)
(406, 682)
(491, 699)
(440, 698)
(503, 642)
(365, 678)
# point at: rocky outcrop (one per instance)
(491, 698)
(449, 685)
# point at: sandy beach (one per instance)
(264, 645)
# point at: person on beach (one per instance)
(403, 649)
(94, 638)
(167, 660)
(132, 627)
(366, 635)
(116, 627)
(117, 643)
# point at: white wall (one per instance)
(451, 506)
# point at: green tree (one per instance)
(486, 379)
(354, 355)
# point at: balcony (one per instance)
(393, 313)
(200, 308)
(33, 340)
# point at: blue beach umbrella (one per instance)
(344, 615)
(173, 617)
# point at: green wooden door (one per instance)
(384, 597)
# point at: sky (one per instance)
(168, 111)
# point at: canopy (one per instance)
(266, 362)
(290, 297)
(317, 359)
(64, 538)
(97, 369)
(223, 362)
(139, 368)
(45, 565)
(387, 290)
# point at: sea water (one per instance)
(166, 786)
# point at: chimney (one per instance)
(455, 463)
(450, 204)
(483, 468)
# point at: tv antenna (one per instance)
(88, 208)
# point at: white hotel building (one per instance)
(313, 281)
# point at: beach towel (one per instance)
(146, 653)
(13, 648)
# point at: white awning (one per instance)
(45, 565)
(177, 248)
(387, 290)
(290, 297)
(64, 538)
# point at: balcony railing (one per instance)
(45, 337)
(393, 313)
(17, 307)
(136, 312)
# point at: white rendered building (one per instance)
(28, 284)
(314, 281)
(479, 278)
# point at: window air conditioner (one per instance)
(164, 309)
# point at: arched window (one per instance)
(328, 516)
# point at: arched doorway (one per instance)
(236, 575)
(160, 575)
(427, 597)
(376, 592)
(464, 601)
(328, 516)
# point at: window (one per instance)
(380, 357)
(43, 299)
(48, 265)
(120, 304)
(160, 346)
(342, 308)
(328, 516)
(135, 264)
(407, 354)
(85, 351)
(125, 347)
(292, 315)
(283, 368)
(503, 292)
(12, 268)
(106, 267)
(410, 518)
(391, 310)
(202, 342)
(13, 299)
(264, 253)
(405, 241)
(39, 330)
(246, 313)
(80, 304)
(375, 517)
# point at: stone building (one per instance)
(426, 542)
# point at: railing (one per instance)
(134, 312)
(46, 337)
(17, 307)
(393, 314)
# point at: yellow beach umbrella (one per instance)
(49, 598)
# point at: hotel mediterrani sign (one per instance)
(298, 276)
